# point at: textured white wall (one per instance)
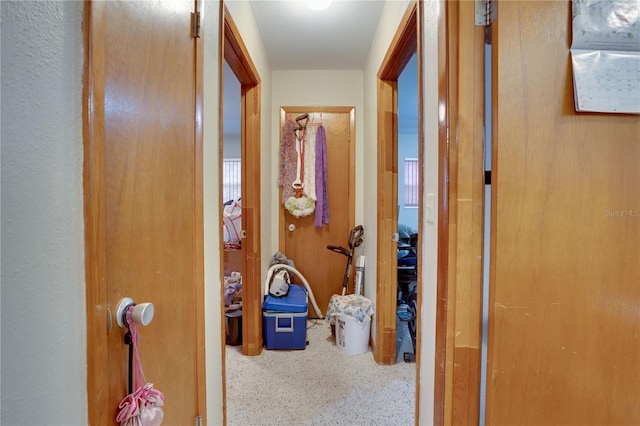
(43, 292)
(210, 22)
(387, 27)
(242, 15)
(433, 112)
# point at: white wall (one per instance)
(389, 23)
(212, 222)
(242, 15)
(433, 114)
(44, 361)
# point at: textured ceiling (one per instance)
(298, 38)
(339, 38)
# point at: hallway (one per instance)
(317, 386)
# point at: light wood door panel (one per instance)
(307, 245)
(563, 338)
(152, 202)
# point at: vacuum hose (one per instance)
(299, 275)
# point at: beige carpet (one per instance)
(319, 385)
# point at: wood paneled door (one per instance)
(300, 239)
(564, 330)
(143, 202)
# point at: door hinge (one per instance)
(198, 420)
(195, 24)
(485, 12)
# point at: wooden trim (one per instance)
(237, 56)
(495, 143)
(402, 47)
(466, 215)
(236, 53)
(443, 218)
(421, 149)
(386, 280)
(99, 411)
(252, 293)
(452, 229)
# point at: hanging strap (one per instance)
(139, 374)
(136, 375)
(144, 397)
(298, 184)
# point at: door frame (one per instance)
(465, 233)
(94, 203)
(406, 41)
(404, 44)
(234, 51)
(99, 319)
(350, 204)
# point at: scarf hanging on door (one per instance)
(322, 198)
(288, 159)
(300, 204)
(310, 162)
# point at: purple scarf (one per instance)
(322, 199)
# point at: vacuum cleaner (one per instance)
(355, 240)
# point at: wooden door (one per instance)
(307, 245)
(143, 165)
(563, 346)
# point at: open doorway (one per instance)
(408, 209)
(402, 49)
(240, 66)
(231, 189)
(398, 307)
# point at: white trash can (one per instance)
(352, 336)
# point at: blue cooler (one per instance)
(285, 320)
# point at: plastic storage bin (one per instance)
(234, 327)
(352, 336)
(285, 320)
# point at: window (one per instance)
(411, 182)
(231, 179)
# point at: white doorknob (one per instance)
(292, 227)
(142, 313)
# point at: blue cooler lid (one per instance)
(295, 301)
